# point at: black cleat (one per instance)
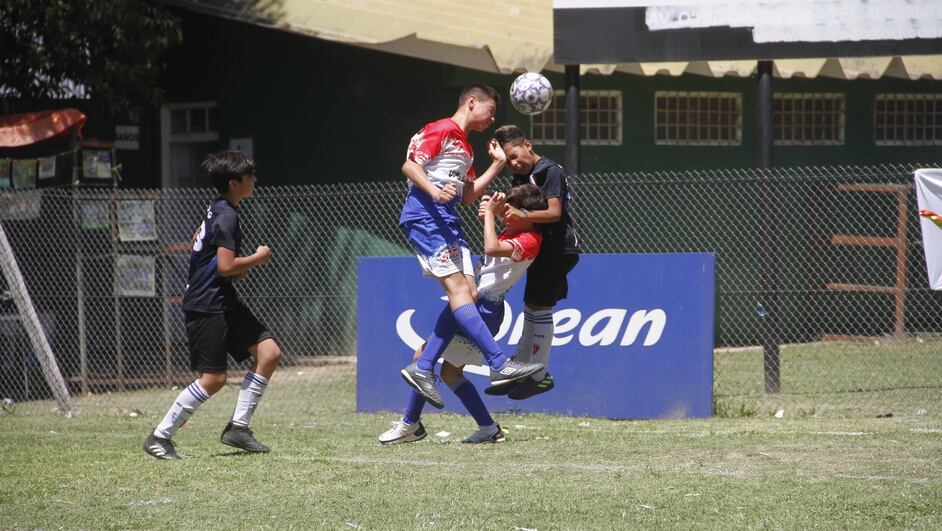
(531, 387)
(161, 448)
(241, 437)
(424, 383)
(501, 390)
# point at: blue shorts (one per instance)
(440, 247)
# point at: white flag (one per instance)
(929, 197)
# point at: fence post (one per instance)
(770, 352)
(573, 125)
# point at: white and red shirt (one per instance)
(442, 149)
(499, 273)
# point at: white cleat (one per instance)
(403, 433)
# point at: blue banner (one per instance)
(634, 339)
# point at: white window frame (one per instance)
(585, 123)
(166, 137)
(691, 126)
(807, 117)
(931, 120)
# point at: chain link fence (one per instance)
(823, 304)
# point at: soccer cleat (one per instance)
(403, 433)
(424, 383)
(161, 448)
(487, 434)
(241, 437)
(531, 387)
(502, 389)
(513, 370)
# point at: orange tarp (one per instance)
(24, 129)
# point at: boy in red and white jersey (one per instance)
(505, 261)
(440, 172)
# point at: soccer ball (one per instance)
(531, 93)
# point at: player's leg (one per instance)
(488, 430)
(441, 252)
(409, 428)
(249, 338)
(469, 320)
(552, 286)
(205, 338)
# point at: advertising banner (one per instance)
(634, 339)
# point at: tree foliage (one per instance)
(108, 50)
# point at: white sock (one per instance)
(525, 345)
(542, 340)
(187, 402)
(249, 394)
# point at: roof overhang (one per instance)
(507, 36)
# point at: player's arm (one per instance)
(479, 186)
(228, 265)
(416, 174)
(492, 245)
(554, 211)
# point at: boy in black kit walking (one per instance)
(217, 322)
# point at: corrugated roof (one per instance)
(505, 36)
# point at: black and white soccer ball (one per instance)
(531, 93)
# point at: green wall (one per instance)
(320, 111)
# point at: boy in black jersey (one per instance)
(546, 278)
(217, 322)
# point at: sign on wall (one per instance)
(634, 339)
(127, 137)
(627, 31)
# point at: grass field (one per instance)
(326, 469)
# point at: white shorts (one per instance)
(461, 351)
(447, 261)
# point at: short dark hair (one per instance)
(225, 166)
(509, 134)
(527, 197)
(481, 92)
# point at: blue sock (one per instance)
(471, 399)
(469, 319)
(414, 409)
(442, 334)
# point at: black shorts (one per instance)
(211, 336)
(546, 279)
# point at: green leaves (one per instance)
(109, 50)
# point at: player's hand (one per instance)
(498, 203)
(483, 205)
(263, 254)
(513, 213)
(496, 153)
(446, 193)
(238, 277)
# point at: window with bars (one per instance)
(808, 119)
(600, 119)
(698, 118)
(194, 119)
(907, 119)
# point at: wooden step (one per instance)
(834, 286)
(865, 241)
(882, 188)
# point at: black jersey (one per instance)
(207, 291)
(560, 236)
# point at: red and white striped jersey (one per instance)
(499, 273)
(442, 149)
